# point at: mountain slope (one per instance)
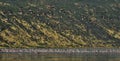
(59, 23)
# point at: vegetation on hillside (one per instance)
(59, 23)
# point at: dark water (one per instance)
(56, 57)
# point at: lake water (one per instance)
(57, 57)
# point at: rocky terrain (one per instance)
(59, 23)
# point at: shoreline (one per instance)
(55, 50)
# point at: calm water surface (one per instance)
(56, 57)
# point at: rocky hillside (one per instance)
(59, 23)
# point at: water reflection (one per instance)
(55, 57)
